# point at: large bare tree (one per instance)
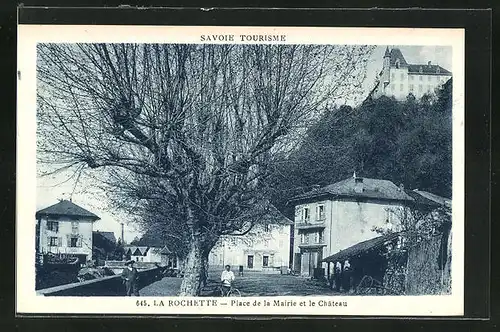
(188, 130)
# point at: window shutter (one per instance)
(60, 241)
(68, 240)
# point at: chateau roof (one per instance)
(371, 188)
(428, 69)
(66, 208)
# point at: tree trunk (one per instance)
(194, 269)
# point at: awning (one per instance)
(361, 248)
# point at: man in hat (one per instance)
(130, 276)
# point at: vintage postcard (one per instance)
(240, 170)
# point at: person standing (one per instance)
(338, 276)
(129, 277)
(226, 278)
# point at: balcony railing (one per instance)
(312, 245)
(310, 225)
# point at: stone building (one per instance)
(399, 78)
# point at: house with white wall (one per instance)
(267, 247)
(65, 228)
(337, 216)
(399, 78)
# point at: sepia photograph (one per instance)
(246, 165)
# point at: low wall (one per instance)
(107, 286)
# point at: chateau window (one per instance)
(401, 87)
(397, 63)
(420, 87)
(402, 76)
(420, 78)
(53, 226)
(429, 78)
(411, 78)
(411, 87)
(320, 212)
(74, 226)
(54, 241)
(266, 228)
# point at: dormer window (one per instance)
(397, 63)
(437, 70)
(420, 70)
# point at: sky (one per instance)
(51, 189)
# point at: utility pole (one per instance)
(123, 239)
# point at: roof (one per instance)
(433, 197)
(421, 200)
(165, 251)
(107, 235)
(66, 208)
(137, 250)
(396, 55)
(362, 248)
(427, 69)
(371, 188)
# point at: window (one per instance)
(73, 242)
(280, 243)
(393, 76)
(397, 63)
(401, 87)
(142, 259)
(320, 212)
(411, 87)
(420, 87)
(306, 215)
(266, 243)
(319, 237)
(265, 261)
(411, 78)
(74, 226)
(266, 228)
(420, 69)
(54, 241)
(302, 238)
(420, 78)
(402, 76)
(53, 226)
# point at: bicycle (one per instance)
(232, 292)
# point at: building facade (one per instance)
(340, 215)
(266, 248)
(398, 78)
(65, 228)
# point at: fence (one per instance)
(107, 286)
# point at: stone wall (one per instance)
(424, 274)
(107, 286)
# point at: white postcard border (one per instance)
(28, 302)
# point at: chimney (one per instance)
(429, 63)
(358, 184)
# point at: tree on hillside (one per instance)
(198, 124)
(408, 142)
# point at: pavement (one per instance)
(250, 284)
